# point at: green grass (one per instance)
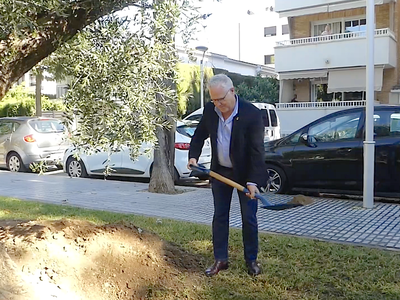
(294, 268)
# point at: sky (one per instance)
(221, 32)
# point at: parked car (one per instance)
(27, 140)
(271, 120)
(124, 166)
(327, 154)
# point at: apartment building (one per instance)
(325, 58)
(323, 62)
(275, 29)
(259, 31)
(242, 30)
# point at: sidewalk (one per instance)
(327, 219)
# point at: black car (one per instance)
(327, 154)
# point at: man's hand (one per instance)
(253, 190)
(192, 161)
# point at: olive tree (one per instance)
(122, 75)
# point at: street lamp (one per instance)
(204, 50)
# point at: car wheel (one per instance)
(277, 179)
(14, 163)
(76, 168)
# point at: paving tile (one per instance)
(329, 219)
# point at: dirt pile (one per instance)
(78, 260)
(301, 199)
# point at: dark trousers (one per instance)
(222, 194)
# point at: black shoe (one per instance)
(216, 267)
(253, 268)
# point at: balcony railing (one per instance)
(335, 104)
(334, 37)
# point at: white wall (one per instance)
(293, 119)
(253, 43)
(219, 61)
(330, 54)
(284, 5)
(289, 7)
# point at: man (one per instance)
(236, 130)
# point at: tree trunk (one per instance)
(19, 56)
(163, 175)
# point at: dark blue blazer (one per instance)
(247, 142)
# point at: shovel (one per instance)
(265, 202)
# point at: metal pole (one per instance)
(239, 41)
(202, 83)
(369, 143)
(38, 97)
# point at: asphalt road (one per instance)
(185, 182)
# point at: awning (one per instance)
(301, 9)
(303, 74)
(352, 80)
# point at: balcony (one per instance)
(335, 51)
(292, 8)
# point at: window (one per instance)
(327, 28)
(44, 126)
(6, 128)
(269, 59)
(274, 118)
(355, 25)
(194, 118)
(395, 124)
(292, 140)
(285, 29)
(265, 117)
(337, 128)
(270, 31)
(61, 91)
(320, 94)
(386, 123)
(186, 130)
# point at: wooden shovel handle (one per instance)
(227, 181)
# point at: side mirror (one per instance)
(308, 140)
(304, 138)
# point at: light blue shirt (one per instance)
(224, 136)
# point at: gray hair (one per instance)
(220, 80)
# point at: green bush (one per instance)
(188, 88)
(254, 89)
(20, 102)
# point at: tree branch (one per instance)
(19, 55)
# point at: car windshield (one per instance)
(47, 126)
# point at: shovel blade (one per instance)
(281, 206)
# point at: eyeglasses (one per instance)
(220, 100)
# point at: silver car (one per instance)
(27, 140)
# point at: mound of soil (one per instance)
(78, 260)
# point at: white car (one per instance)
(124, 166)
(272, 129)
